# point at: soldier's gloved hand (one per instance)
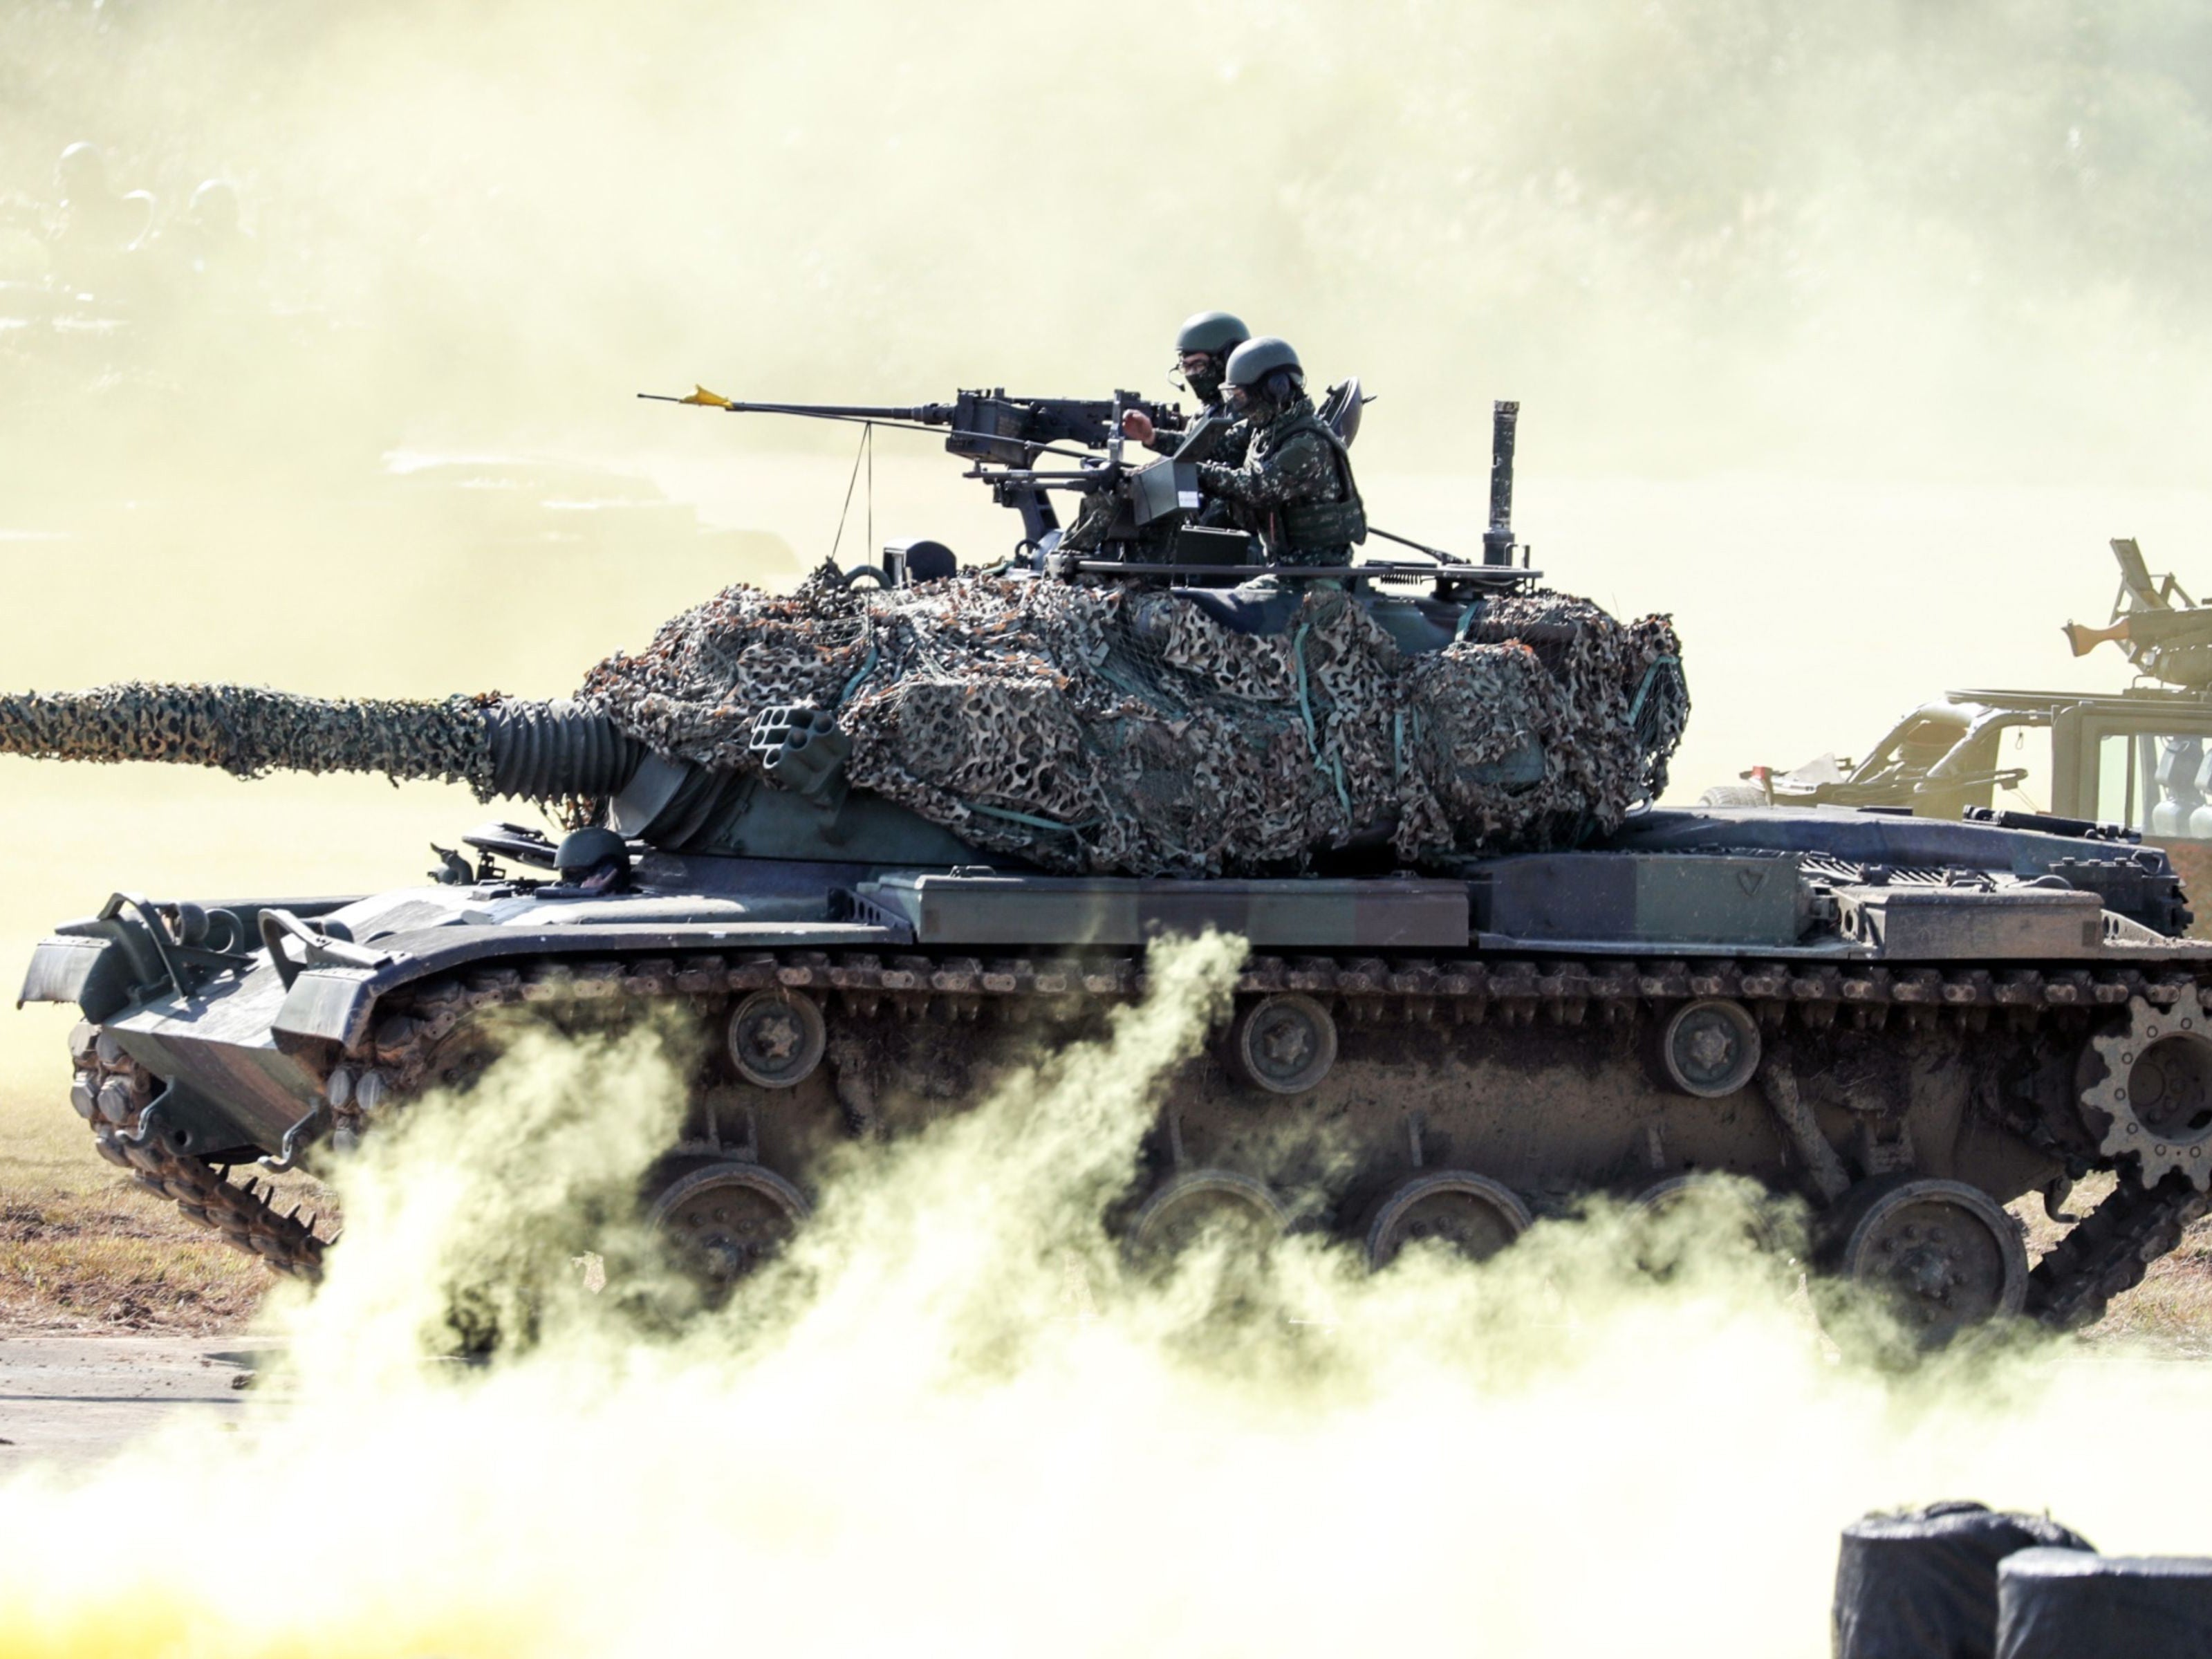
(1136, 424)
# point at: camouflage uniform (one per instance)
(1294, 490)
(1088, 533)
(1230, 450)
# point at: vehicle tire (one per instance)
(1188, 1206)
(1946, 1257)
(728, 1219)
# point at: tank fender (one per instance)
(1841, 833)
(106, 962)
(95, 973)
(1946, 924)
(337, 1003)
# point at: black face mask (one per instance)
(1205, 384)
(1256, 406)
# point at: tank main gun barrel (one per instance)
(511, 746)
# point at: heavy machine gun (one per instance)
(2165, 641)
(988, 428)
(1152, 530)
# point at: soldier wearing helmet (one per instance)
(591, 862)
(1294, 488)
(1202, 348)
(96, 228)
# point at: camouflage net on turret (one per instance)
(248, 731)
(1119, 730)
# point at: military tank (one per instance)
(891, 833)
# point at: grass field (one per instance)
(83, 1248)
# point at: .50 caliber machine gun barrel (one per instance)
(921, 414)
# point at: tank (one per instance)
(885, 834)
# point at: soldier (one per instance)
(207, 237)
(1294, 489)
(97, 230)
(1202, 348)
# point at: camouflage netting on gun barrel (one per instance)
(248, 731)
(1112, 729)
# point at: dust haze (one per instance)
(1934, 240)
(953, 1418)
(1845, 333)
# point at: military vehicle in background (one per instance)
(886, 837)
(2132, 766)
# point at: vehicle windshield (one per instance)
(2156, 783)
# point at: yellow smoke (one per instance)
(952, 1420)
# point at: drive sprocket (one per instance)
(2156, 1091)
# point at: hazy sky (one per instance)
(1857, 239)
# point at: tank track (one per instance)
(113, 1092)
(2109, 1249)
(2100, 1257)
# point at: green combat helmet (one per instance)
(1217, 331)
(1251, 363)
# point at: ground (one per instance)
(84, 1250)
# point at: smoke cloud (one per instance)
(953, 1418)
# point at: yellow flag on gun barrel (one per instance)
(700, 395)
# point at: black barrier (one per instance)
(1924, 1585)
(2068, 1604)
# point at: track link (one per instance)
(2109, 1250)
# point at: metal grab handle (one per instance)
(157, 935)
(289, 1151)
(317, 948)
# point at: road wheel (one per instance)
(1943, 1255)
(728, 1219)
(1471, 1213)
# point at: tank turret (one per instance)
(1142, 731)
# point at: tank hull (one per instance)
(1834, 1007)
